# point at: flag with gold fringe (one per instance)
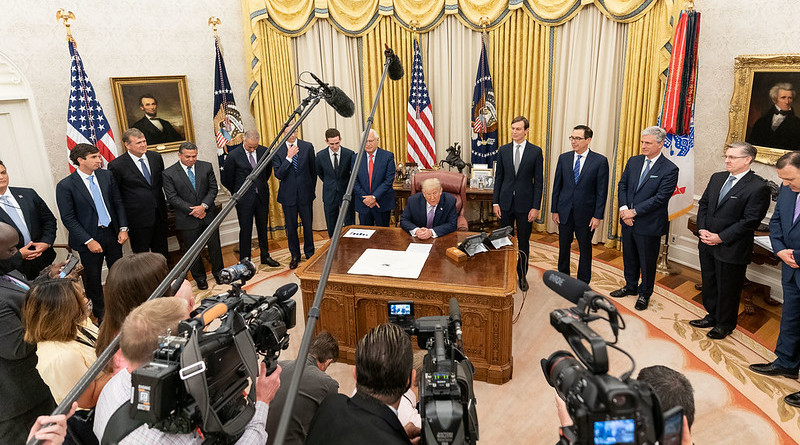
(228, 128)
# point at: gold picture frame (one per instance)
(172, 111)
(753, 76)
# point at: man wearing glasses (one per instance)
(580, 189)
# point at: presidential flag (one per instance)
(86, 123)
(228, 127)
(421, 145)
(484, 114)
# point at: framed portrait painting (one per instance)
(762, 111)
(156, 105)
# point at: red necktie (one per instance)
(371, 163)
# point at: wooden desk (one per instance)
(480, 196)
(484, 286)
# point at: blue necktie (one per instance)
(12, 213)
(103, 218)
(294, 158)
(644, 175)
(146, 172)
(190, 173)
(576, 170)
(726, 188)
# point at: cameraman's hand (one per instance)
(686, 436)
(414, 433)
(266, 387)
(55, 433)
(563, 415)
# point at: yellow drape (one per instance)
(645, 62)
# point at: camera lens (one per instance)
(562, 371)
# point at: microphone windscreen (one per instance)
(339, 101)
(395, 68)
(564, 285)
(455, 311)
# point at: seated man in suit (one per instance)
(384, 371)
(156, 130)
(372, 192)
(23, 209)
(430, 213)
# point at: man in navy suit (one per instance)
(518, 183)
(731, 209)
(295, 167)
(23, 209)
(254, 204)
(138, 176)
(645, 187)
(92, 211)
(784, 233)
(334, 165)
(431, 213)
(373, 193)
(580, 190)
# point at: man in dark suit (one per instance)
(384, 371)
(731, 209)
(156, 130)
(92, 211)
(315, 386)
(518, 183)
(23, 209)
(784, 234)
(645, 187)
(191, 187)
(431, 213)
(373, 193)
(296, 169)
(779, 127)
(23, 392)
(334, 165)
(138, 176)
(580, 189)
(254, 204)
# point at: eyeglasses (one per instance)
(573, 138)
(735, 157)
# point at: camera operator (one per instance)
(139, 338)
(384, 370)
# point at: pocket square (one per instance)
(653, 176)
(732, 197)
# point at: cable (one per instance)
(521, 254)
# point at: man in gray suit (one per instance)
(191, 187)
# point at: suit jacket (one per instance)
(40, 220)
(786, 136)
(383, 171)
(523, 189)
(297, 188)
(144, 203)
(445, 218)
(334, 183)
(736, 217)
(784, 233)
(156, 136)
(236, 170)
(77, 209)
(586, 198)
(181, 195)
(22, 388)
(360, 419)
(650, 201)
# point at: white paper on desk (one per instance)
(389, 263)
(501, 242)
(419, 247)
(764, 242)
(359, 233)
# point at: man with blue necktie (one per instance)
(92, 211)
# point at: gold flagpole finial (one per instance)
(690, 5)
(414, 25)
(65, 16)
(213, 22)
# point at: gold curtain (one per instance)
(646, 59)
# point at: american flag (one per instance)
(421, 145)
(86, 122)
(227, 120)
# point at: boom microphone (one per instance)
(565, 285)
(336, 98)
(395, 66)
(455, 315)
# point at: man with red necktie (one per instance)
(373, 193)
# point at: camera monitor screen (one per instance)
(400, 309)
(614, 432)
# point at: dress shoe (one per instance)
(718, 333)
(216, 278)
(703, 323)
(269, 261)
(622, 292)
(771, 369)
(642, 302)
(793, 399)
(523, 284)
(293, 264)
(201, 284)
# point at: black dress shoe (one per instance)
(622, 292)
(703, 323)
(269, 261)
(793, 399)
(642, 302)
(216, 278)
(718, 333)
(523, 284)
(771, 369)
(293, 264)
(201, 284)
